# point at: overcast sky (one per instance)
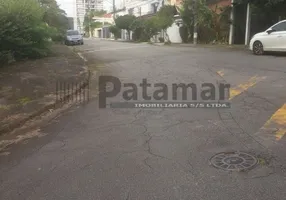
(69, 6)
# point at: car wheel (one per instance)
(82, 43)
(258, 48)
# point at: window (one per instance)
(280, 27)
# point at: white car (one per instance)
(273, 39)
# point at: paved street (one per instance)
(159, 153)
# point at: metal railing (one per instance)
(73, 91)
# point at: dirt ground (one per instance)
(29, 86)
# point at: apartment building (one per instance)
(82, 6)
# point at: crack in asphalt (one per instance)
(265, 176)
(149, 150)
(146, 163)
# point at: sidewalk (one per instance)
(28, 88)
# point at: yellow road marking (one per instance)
(243, 87)
(278, 120)
(280, 133)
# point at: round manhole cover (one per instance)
(233, 161)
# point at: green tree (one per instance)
(212, 24)
(55, 17)
(187, 15)
(151, 27)
(115, 31)
(165, 19)
(89, 24)
(124, 22)
(137, 27)
(23, 31)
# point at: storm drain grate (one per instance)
(233, 161)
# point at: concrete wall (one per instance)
(174, 34)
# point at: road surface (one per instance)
(159, 153)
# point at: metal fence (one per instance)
(73, 91)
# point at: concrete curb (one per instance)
(20, 124)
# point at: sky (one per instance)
(69, 6)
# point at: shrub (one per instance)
(184, 34)
(124, 22)
(115, 31)
(23, 33)
(151, 27)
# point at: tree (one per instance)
(124, 22)
(138, 27)
(54, 16)
(89, 24)
(115, 31)
(165, 18)
(151, 27)
(24, 33)
(187, 16)
(212, 24)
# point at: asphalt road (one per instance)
(159, 153)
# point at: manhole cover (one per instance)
(233, 161)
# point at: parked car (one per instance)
(273, 39)
(73, 37)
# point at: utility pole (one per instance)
(231, 29)
(114, 9)
(195, 38)
(248, 23)
(89, 16)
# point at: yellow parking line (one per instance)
(243, 87)
(278, 121)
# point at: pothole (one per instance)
(234, 161)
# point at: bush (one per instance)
(184, 34)
(115, 31)
(151, 27)
(23, 33)
(137, 28)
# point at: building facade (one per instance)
(82, 6)
(71, 23)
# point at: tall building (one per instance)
(82, 6)
(71, 23)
